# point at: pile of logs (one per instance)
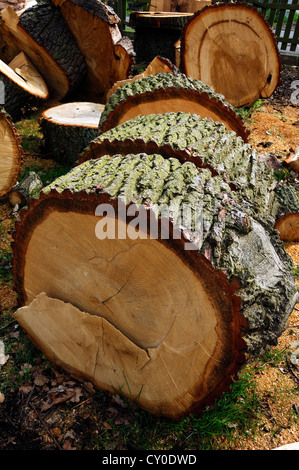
(162, 270)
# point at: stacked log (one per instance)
(23, 86)
(169, 92)
(108, 55)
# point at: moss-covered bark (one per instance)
(210, 144)
(223, 231)
(170, 82)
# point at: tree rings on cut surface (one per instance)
(10, 153)
(69, 128)
(231, 48)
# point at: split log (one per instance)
(167, 308)
(232, 48)
(168, 92)
(41, 32)
(24, 87)
(10, 155)
(109, 56)
(28, 188)
(157, 65)
(69, 128)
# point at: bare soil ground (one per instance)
(50, 410)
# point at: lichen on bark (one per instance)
(232, 240)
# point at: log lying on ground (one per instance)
(168, 92)
(42, 33)
(69, 128)
(171, 301)
(109, 56)
(288, 227)
(232, 48)
(10, 153)
(28, 188)
(157, 65)
(207, 144)
(24, 87)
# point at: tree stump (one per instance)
(168, 92)
(10, 155)
(69, 128)
(41, 32)
(231, 48)
(108, 55)
(24, 87)
(156, 33)
(155, 282)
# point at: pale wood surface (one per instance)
(230, 47)
(10, 154)
(190, 6)
(80, 113)
(24, 74)
(288, 227)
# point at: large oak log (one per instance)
(164, 304)
(168, 92)
(24, 87)
(41, 32)
(109, 56)
(10, 153)
(69, 128)
(232, 48)
(207, 144)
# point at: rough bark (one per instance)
(156, 34)
(42, 33)
(232, 276)
(157, 65)
(232, 48)
(24, 87)
(28, 188)
(69, 128)
(168, 92)
(108, 55)
(10, 154)
(207, 144)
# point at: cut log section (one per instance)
(168, 92)
(10, 153)
(288, 227)
(109, 56)
(293, 160)
(69, 128)
(169, 281)
(41, 32)
(28, 188)
(157, 65)
(24, 87)
(232, 48)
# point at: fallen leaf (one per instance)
(68, 446)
